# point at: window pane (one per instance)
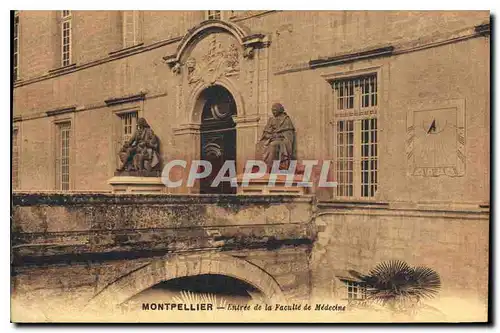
(345, 94)
(214, 14)
(368, 91)
(63, 156)
(15, 51)
(356, 98)
(66, 40)
(345, 153)
(369, 157)
(15, 160)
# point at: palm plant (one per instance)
(398, 285)
(189, 297)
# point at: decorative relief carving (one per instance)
(249, 52)
(217, 62)
(241, 39)
(250, 80)
(233, 58)
(180, 98)
(435, 140)
(176, 68)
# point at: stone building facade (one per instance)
(398, 101)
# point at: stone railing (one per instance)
(58, 226)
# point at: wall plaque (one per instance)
(435, 139)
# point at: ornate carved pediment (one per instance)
(244, 44)
(214, 57)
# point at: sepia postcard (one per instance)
(250, 166)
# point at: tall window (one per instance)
(356, 136)
(130, 28)
(15, 159)
(63, 156)
(128, 124)
(66, 37)
(15, 49)
(214, 14)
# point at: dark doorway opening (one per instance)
(191, 288)
(218, 136)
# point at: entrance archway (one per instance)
(220, 289)
(176, 266)
(218, 135)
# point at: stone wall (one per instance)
(455, 243)
(453, 65)
(83, 245)
(285, 269)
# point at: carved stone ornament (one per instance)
(217, 61)
(176, 68)
(249, 52)
(220, 60)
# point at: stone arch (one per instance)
(204, 27)
(245, 39)
(178, 266)
(194, 106)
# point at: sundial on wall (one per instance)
(435, 140)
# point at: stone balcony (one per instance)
(67, 227)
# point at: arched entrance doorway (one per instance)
(217, 288)
(181, 266)
(218, 135)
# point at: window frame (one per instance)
(360, 290)
(208, 14)
(16, 45)
(116, 138)
(16, 147)
(356, 116)
(123, 124)
(136, 28)
(66, 19)
(59, 156)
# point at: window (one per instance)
(63, 156)
(355, 291)
(15, 47)
(128, 124)
(130, 28)
(356, 136)
(345, 157)
(15, 159)
(214, 15)
(66, 37)
(369, 167)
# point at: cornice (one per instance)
(349, 57)
(114, 55)
(125, 99)
(59, 111)
(62, 70)
(191, 128)
(483, 29)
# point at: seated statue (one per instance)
(278, 139)
(141, 152)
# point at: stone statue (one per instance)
(278, 140)
(141, 152)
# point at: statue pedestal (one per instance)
(133, 184)
(260, 186)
